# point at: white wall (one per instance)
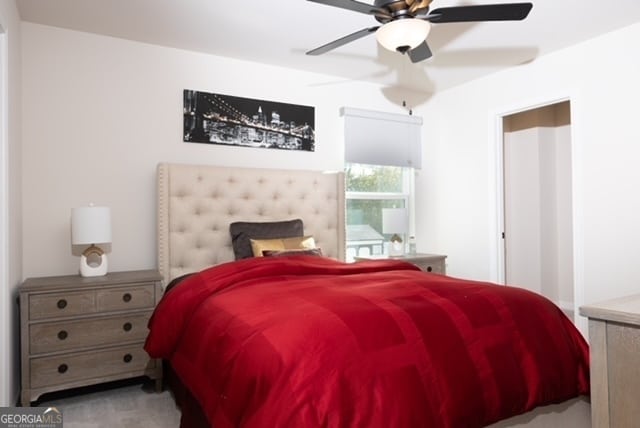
(459, 197)
(101, 113)
(10, 200)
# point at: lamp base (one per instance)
(396, 246)
(93, 262)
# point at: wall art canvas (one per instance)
(224, 119)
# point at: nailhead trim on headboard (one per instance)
(196, 204)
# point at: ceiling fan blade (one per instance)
(487, 12)
(420, 52)
(355, 6)
(343, 41)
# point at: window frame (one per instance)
(407, 195)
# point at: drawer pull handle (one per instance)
(126, 297)
(62, 334)
(62, 303)
(127, 358)
(127, 326)
(62, 368)
(429, 268)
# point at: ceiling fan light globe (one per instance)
(403, 32)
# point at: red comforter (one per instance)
(310, 342)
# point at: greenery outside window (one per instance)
(369, 189)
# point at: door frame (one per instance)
(6, 312)
(496, 169)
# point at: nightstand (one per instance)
(614, 336)
(434, 263)
(78, 331)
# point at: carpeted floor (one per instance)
(130, 404)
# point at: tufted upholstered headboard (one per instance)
(196, 204)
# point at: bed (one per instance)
(317, 359)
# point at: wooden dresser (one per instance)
(78, 331)
(614, 338)
(427, 262)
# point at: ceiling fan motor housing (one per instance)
(400, 9)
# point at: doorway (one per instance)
(538, 203)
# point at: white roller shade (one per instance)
(379, 138)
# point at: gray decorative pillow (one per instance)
(242, 232)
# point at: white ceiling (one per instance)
(279, 32)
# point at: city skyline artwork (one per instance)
(228, 120)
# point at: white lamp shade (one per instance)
(90, 225)
(409, 32)
(394, 220)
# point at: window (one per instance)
(369, 189)
(381, 151)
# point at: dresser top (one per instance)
(624, 309)
(111, 278)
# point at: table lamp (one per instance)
(395, 222)
(91, 226)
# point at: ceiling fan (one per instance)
(406, 23)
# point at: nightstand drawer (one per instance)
(69, 335)
(63, 369)
(55, 305)
(72, 303)
(433, 266)
(131, 297)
